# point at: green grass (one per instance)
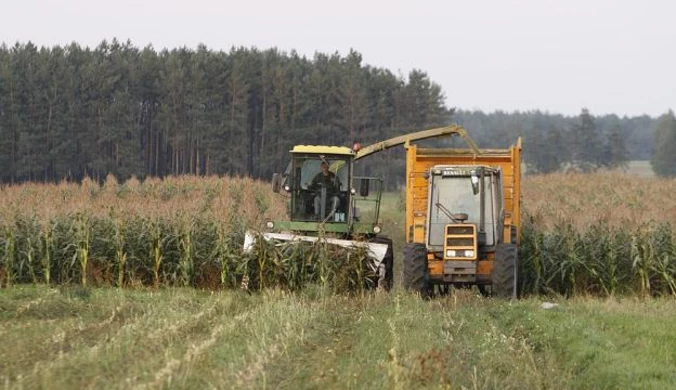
(74, 337)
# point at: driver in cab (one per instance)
(331, 182)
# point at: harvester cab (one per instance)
(324, 194)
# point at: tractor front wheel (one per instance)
(505, 271)
(415, 269)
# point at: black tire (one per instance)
(415, 269)
(505, 271)
(388, 281)
(484, 290)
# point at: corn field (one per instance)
(600, 234)
(599, 260)
(585, 200)
(182, 231)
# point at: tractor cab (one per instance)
(465, 217)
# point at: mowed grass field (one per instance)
(146, 336)
(185, 338)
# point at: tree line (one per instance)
(69, 111)
(585, 142)
(554, 142)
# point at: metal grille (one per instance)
(459, 241)
(459, 230)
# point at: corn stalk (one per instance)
(120, 253)
(9, 255)
(156, 250)
(47, 241)
(186, 249)
(83, 244)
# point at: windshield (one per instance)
(456, 195)
(310, 167)
(451, 195)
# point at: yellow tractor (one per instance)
(462, 218)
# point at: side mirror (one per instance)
(474, 178)
(364, 187)
(276, 182)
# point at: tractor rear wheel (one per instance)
(505, 271)
(385, 272)
(415, 269)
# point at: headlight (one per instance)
(270, 224)
(353, 191)
(287, 188)
(376, 229)
(460, 253)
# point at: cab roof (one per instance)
(321, 149)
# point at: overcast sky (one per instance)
(559, 56)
